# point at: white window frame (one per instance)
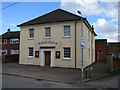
(30, 56)
(64, 54)
(4, 51)
(47, 33)
(13, 42)
(5, 41)
(16, 52)
(31, 36)
(66, 32)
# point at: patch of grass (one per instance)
(116, 72)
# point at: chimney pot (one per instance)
(8, 30)
(92, 27)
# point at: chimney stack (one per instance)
(92, 28)
(8, 30)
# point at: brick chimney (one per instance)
(8, 30)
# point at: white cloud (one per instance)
(92, 7)
(106, 29)
(111, 40)
(101, 22)
(87, 7)
(13, 25)
(103, 27)
(109, 0)
(1, 21)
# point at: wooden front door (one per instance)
(47, 58)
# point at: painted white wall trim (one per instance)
(42, 57)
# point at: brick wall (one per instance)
(101, 45)
(114, 48)
(116, 64)
(8, 46)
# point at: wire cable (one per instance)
(10, 5)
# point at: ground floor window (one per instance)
(67, 52)
(14, 51)
(30, 51)
(3, 52)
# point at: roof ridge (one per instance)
(47, 14)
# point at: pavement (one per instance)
(54, 74)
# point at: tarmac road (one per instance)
(21, 82)
(110, 82)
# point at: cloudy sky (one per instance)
(103, 15)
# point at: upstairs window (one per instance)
(48, 32)
(4, 41)
(66, 31)
(31, 33)
(15, 40)
(67, 52)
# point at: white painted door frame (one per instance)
(42, 57)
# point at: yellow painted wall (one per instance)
(57, 35)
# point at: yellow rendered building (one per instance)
(54, 40)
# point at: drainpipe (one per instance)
(75, 43)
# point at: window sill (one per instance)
(66, 36)
(47, 37)
(30, 57)
(66, 58)
(30, 38)
(13, 43)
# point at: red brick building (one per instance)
(114, 49)
(10, 44)
(101, 50)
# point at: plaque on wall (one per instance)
(36, 54)
(58, 54)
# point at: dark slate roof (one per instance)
(11, 34)
(58, 15)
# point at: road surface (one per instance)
(21, 82)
